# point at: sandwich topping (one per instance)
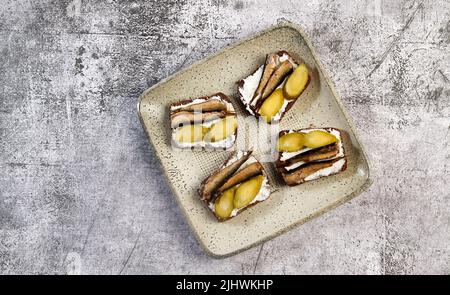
(310, 154)
(204, 122)
(286, 153)
(206, 104)
(274, 87)
(238, 184)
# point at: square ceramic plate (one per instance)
(319, 106)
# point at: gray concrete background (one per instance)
(81, 190)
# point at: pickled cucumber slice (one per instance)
(272, 105)
(318, 138)
(291, 142)
(222, 129)
(224, 204)
(190, 133)
(247, 191)
(296, 82)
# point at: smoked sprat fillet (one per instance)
(205, 122)
(238, 184)
(271, 90)
(309, 154)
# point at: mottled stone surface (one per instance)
(81, 190)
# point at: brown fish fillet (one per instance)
(216, 180)
(277, 77)
(241, 176)
(269, 67)
(319, 154)
(207, 106)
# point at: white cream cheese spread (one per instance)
(249, 86)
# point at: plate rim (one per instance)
(282, 23)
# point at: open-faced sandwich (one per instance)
(239, 183)
(273, 88)
(309, 154)
(205, 122)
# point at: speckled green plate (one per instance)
(319, 106)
